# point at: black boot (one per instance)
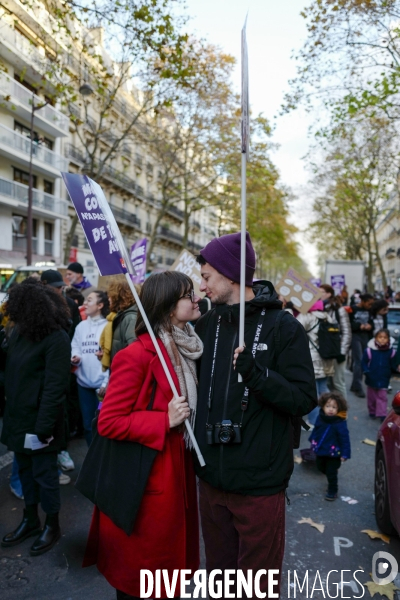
(30, 525)
(50, 535)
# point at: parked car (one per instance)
(393, 322)
(23, 272)
(387, 472)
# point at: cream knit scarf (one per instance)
(184, 347)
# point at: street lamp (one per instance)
(29, 228)
(86, 89)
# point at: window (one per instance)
(48, 187)
(23, 130)
(48, 238)
(47, 143)
(48, 231)
(23, 177)
(20, 231)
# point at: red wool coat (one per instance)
(166, 533)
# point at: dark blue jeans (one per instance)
(88, 401)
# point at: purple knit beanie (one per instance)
(223, 254)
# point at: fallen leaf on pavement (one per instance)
(369, 442)
(375, 534)
(319, 526)
(387, 590)
(297, 459)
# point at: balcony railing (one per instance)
(74, 153)
(19, 142)
(194, 247)
(12, 88)
(119, 178)
(20, 243)
(170, 235)
(48, 247)
(41, 200)
(176, 212)
(126, 217)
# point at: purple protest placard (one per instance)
(316, 281)
(338, 282)
(138, 259)
(99, 224)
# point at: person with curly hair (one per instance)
(36, 379)
(120, 329)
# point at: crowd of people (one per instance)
(74, 357)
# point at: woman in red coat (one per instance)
(166, 534)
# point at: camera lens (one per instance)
(226, 434)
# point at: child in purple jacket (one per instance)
(330, 439)
(378, 362)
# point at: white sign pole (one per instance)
(164, 365)
(245, 150)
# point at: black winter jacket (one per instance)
(281, 386)
(36, 380)
(359, 316)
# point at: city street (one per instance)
(58, 574)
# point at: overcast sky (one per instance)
(274, 30)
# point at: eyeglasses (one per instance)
(190, 295)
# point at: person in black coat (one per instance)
(245, 429)
(36, 378)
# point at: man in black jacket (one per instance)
(245, 430)
(362, 326)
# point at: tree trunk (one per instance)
(153, 235)
(378, 257)
(370, 285)
(186, 226)
(69, 238)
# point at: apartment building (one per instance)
(130, 180)
(388, 237)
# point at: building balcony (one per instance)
(171, 236)
(195, 224)
(177, 213)
(194, 247)
(123, 216)
(119, 179)
(16, 195)
(18, 100)
(17, 147)
(74, 154)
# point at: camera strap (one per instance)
(245, 399)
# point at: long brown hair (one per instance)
(159, 295)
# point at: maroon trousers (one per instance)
(243, 532)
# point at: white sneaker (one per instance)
(65, 461)
(64, 479)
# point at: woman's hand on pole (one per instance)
(178, 411)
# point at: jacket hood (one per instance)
(265, 296)
(318, 305)
(373, 346)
